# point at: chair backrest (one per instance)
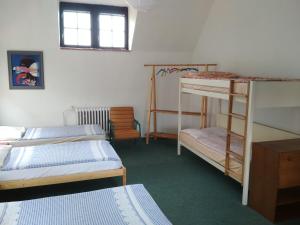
(122, 118)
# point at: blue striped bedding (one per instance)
(59, 154)
(61, 132)
(129, 205)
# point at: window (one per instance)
(77, 28)
(93, 26)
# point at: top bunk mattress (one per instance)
(219, 75)
(130, 204)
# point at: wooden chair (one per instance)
(123, 125)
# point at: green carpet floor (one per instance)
(187, 189)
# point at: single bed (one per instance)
(58, 163)
(130, 205)
(21, 136)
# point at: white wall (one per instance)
(255, 37)
(87, 78)
(174, 25)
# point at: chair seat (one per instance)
(126, 134)
(123, 124)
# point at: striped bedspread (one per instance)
(61, 132)
(59, 154)
(129, 205)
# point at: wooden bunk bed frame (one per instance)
(253, 93)
(16, 184)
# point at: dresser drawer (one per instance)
(289, 169)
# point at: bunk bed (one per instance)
(228, 145)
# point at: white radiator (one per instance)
(93, 115)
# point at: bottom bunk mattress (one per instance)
(130, 205)
(211, 142)
(22, 163)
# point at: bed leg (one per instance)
(178, 149)
(245, 195)
(124, 179)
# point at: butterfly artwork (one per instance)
(25, 69)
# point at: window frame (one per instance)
(95, 11)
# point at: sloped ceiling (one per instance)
(173, 25)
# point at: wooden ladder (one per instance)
(229, 153)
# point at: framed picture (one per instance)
(25, 69)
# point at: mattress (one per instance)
(11, 133)
(219, 75)
(22, 163)
(130, 205)
(205, 88)
(211, 142)
(57, 132)
(239, 88)
(54, 135)
(212, 75)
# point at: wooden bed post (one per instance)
(124, 177)
(154, 103)
(248, 151)
(246, 126)
(179, 120)
(206, 68)
(204, 111)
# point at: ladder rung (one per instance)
(238, 156)
(238, 95)
(235, 134)
(238, 116)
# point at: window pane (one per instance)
(105, 22)
(70, 19)
(118, 39)
(70, 36)
(112, 30)
(118, 23)
(106, 39)
(84, 20)
(84, 37)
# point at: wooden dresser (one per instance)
(275, 179)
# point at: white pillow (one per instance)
(11, 133)
(4, 150)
